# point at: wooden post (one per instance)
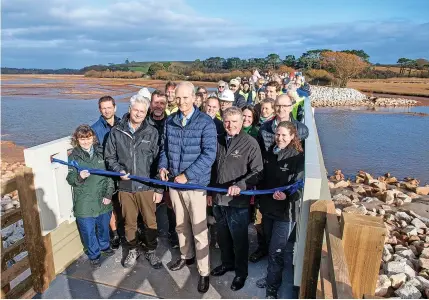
(341, 284)
(39, 247)
(363, 240)
(313, 247)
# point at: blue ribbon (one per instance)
(291, 189)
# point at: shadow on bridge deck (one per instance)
(142, 282)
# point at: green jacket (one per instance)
(252, 130)
(88, 193)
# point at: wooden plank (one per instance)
(341, 285)
(363, 240)
(12, 251)
(10, 217)
(8, 186)
(313, 246)
(325, 276)
(10, 273)
(24, 290)
(39, 247)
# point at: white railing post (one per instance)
(315, 178)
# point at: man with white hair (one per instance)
(131, 148)
(187, 155)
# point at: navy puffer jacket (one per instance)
(191, 149)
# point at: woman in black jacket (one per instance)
(283, 165)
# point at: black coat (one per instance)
(281, 169)
(134, 153)
(219, 126)
(240, 164)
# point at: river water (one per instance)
(386, 140)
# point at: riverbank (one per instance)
(402, 86)
(404, 207)
(77, 87)
(322, 96)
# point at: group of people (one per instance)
(224, 142)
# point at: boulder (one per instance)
(356, 209)
(383, 284)
(418, 224)
(400, 215)
(389, 248)
(424, 253)
(360, 190)
(367, 178)
(410, 230)
(391, 180)
(398, 279)
(404, 197)
(388, 197)
(400, 248)
(387, 256)
(413, 195)
(380, 186)
(423, 281)
(407, 254)
(397, 267)
(341, 199)
(422, 190)
(424, 263)
(342, 184)
(408, 291)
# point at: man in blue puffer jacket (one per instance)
(188, 152)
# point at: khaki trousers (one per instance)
(191, 226)
(132, 204)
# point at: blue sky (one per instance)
(73, 34)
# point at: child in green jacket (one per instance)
(92, 194)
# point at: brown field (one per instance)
(414, 72)
(76, 86)
(393, 86)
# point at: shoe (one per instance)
(95, 263)
(154, 260)
(238, 283)
(131, 258)
(261, 283)
(271, 294)
(174, 244)
(180, 263)
(221, 270)
(115, 242)
(108, 252)
(203, 284)
(257, 255)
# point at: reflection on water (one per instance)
(378, 140)
(375, 142)
(31, 121)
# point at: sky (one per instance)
(78, 33)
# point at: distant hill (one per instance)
(132, 66)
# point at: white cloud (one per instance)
(62, 33)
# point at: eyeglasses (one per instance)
(232, 85)
(221, 87)
(283, 106)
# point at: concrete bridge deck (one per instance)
(79, 280)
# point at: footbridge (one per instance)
(55, 267)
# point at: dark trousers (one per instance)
(276, 234)
(94, 233)
(232, 234)
(132, 204)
